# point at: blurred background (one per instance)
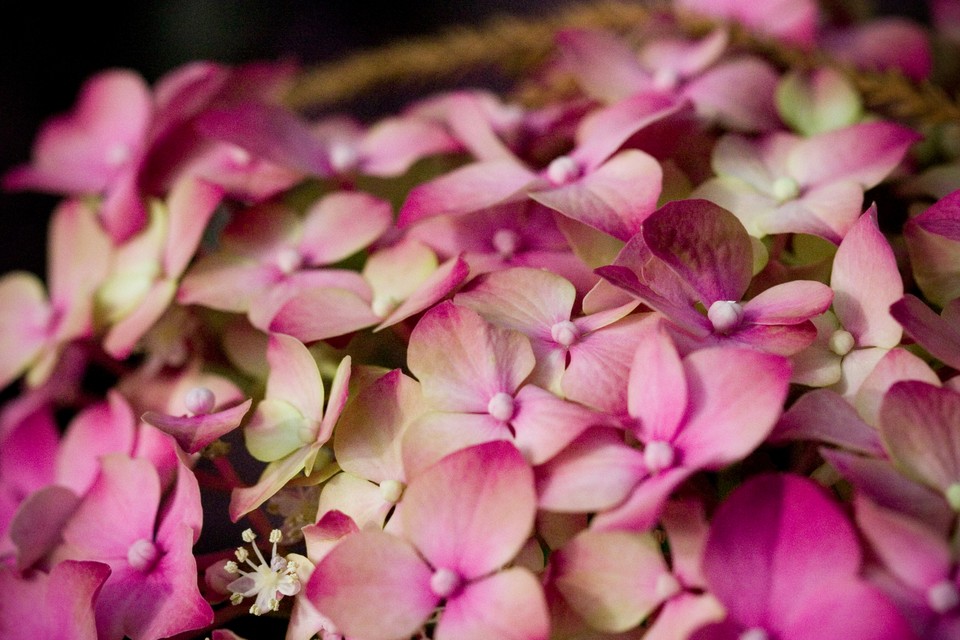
(46, 54)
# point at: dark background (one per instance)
(46, 53)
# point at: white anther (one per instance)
(501, 406)
(142, 555)
(506, 242)
(943, 596)
(842, 342)
(658, 455)
(391, 490)
(199, 401)
(785, 188)
(444, 582)
(564, 333)
(563, 169)
(289, 260)
(248, 535)
(725, 315)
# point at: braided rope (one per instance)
(514, 45)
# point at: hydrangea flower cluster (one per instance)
(673, 353)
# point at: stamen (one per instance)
(943, 596)
(785, 188)
(506, 242)
(658, 455)
(842, 342)
(269, 581)
(725, 315)
(391, 490)
(444, 582)
(200, 401)
(143, 555)
(501, 406)
(563, 169)
(565, 333)
(289, 260)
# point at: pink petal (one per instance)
(605, 67)
(368, 436)
(856, 610)
(883, 44)
(274, 477)
(788, 303)
(595, 472)
(866, 282)
(482, 524)
(436, 434)
(79, 256)
(792, 21)
(615, 198)
(320, 313)
(39, 521)
(24, 316)
(392, 145)
(294, 376)
(102, 428)
(462, 361)
(191, 204)
(864, 153)
(824, 416)
(122, 337)
(610, 578)
(544, 424)
(351, 584)
(777, 539)
(181, 507)
(657, 388)
(357, 498)
(436, 287)
(330, 529)
(470, 188)
(918, 423)
(895, 365)
(508, 605)
(341, 224)
(940, 338)
(602, 132)
(728, 419)
(684, 614)
(193, 433)
(642, 509)
(737, 94)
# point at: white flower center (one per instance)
(444, 582)
(943, 596)
(725, 315)
(756, 633)
(240, 156)
(658, 455)
(289, 260)
(665, 79)
(199, 401)
(118, 154)
(564, 333)
(391, 490)
(343, 157)
(143, 555)
(506, 242)
(563, 169)
(785, 188)
(501, 406)
(842, 342)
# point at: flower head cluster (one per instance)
(668, 348)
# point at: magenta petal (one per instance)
(934, 333)
(918, 421)
(193, 433)
(775, 540)
(508, 605)
(362, 573)
(483, 523)
(657, 388)
(321, 313)
(788, 303)
(738, 94)
(37, 524)
(614, 198)
(597, 471)
(824, 416)
(270, 132)
(728, 419)
(705, 245)
(846, 608)
(191, 204)
(544, 424)
(24, 319)
(866, 282)
(58, 605)
(470, 188)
